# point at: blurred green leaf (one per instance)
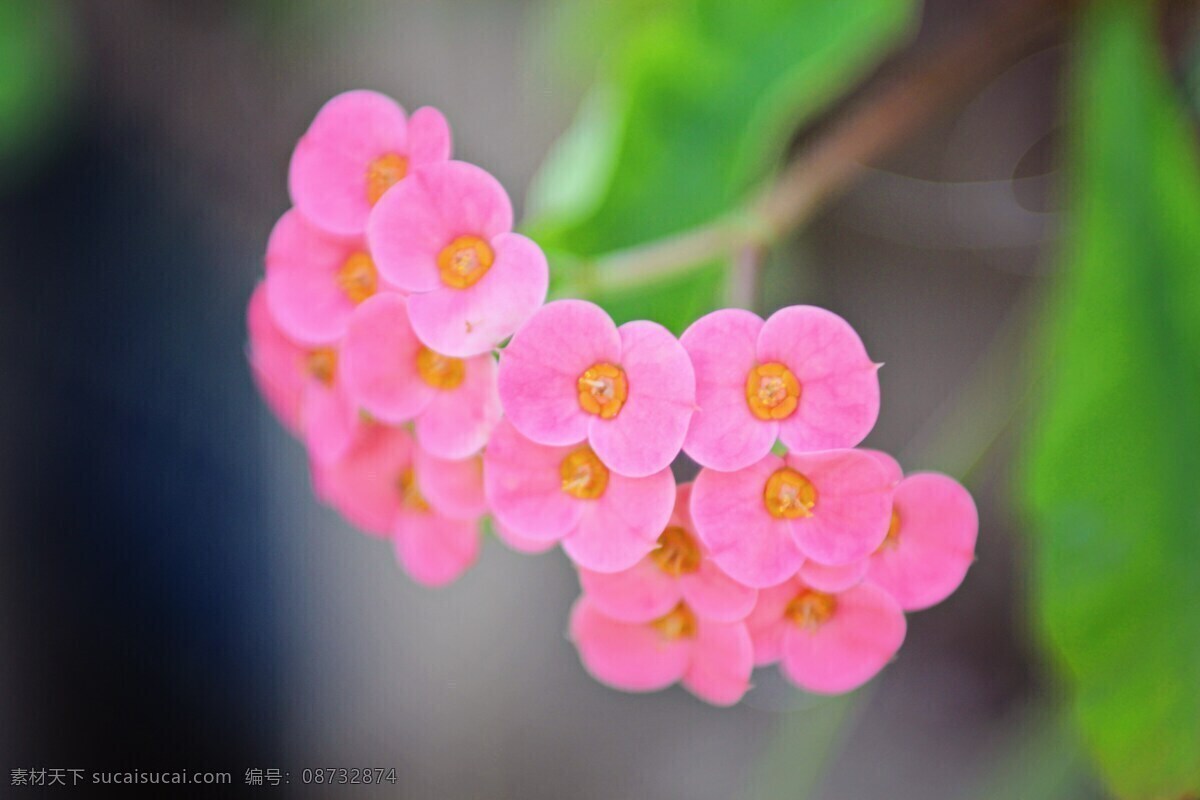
(693, 107)
(1114, 456)
(35, 65)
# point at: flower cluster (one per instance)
(379, 338)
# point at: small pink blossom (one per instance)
(444, 235)
(315, 281)
(357, 148)
(302, 385)
(388, 487)
(713, 660)
(761, 522)
(570, 373)
(395, 378)
(677, 571)
(930, 543)
(605, 521)
(802, 376)
(827, 643)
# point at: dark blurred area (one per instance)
(173, 595)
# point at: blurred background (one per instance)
(173, 597)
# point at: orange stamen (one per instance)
(677, 552)
(772, 391)
(383, 173)
(603, 389)
(439, 371)
(464, 261)
(789, 495)
(583, 474)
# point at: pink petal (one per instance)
(421, 215)
(846, 651)
(435, 550)
(540, 369)
(429, 138)
(721, 663)
(623, 525)
(853, 507)
(523, 486)
(328, 173)
(834, 579)
(276, 362)
(935, 545)
(302, 287)
(378, 361)
(641, 593)
(890, 465)
(330, 420)
(744, 540)
(724, 434)
(714, 595)
(519, 543)
(839, 385)
(363, 486)
(459, 421)
(633, 658)
(681, 515)
(647, 433)
(453, 488)
(467, 322)
(767, 624)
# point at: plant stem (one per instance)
(878, 123)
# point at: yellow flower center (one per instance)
(811, 609)
(383, 173)
(772, 391)
(892, 540)
(789, 495)
(357, 277)
(410, 494)
(677, 552)
(439, 371)
(321, 364)
(602, 390)
(583, 474)
(464, 261)
(678, 623)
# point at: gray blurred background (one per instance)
(174, 596)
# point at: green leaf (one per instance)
(696, 105)
(1113, 459)
(36, 65)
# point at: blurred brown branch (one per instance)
(879, 122)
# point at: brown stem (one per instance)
(878, 123)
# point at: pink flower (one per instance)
(677, 571)
(802, 376)
(315, 281)
(302, 385)
(359, 145)
(605, 521)
(570, 374)
(429, 507)
(827, 643)
(395, 378)
(444, 235)
(930, 543)
(760, 523)
(713, 660)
